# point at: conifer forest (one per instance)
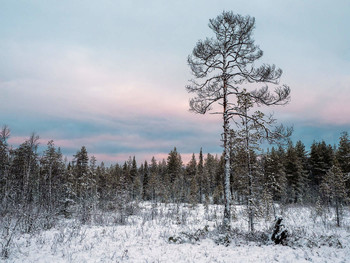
(45, 185)
(263, 198)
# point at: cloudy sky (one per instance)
(111, 75)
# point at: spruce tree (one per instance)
(165, 188)
(102, 184)
(52, 170)
(123, 193)
(343, 153)
(192, 177)
(5, 183)
(211, 166)
(145, 182)
(295, 172)
(25, 172)
(343, 157)
(275, 182)
(94, 187)
(201, 176)
(154, 183)
(333, 189)
(175, 175)
(81, 171)
(69, 190)
(135, 179)
(321, 160)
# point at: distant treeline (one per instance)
(285, 174)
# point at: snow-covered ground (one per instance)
(171, 233)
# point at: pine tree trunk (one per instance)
(337, 211)
(250, 179)
(50, 187)
(26, 186)
(227, 189)
(200, 189)
(6, 191)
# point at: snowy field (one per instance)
(180, 233)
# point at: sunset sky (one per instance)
(111, 75)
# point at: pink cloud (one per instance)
(17, 140)
(141, 157)
(323, 101)
(105, 157)
(92, 88)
